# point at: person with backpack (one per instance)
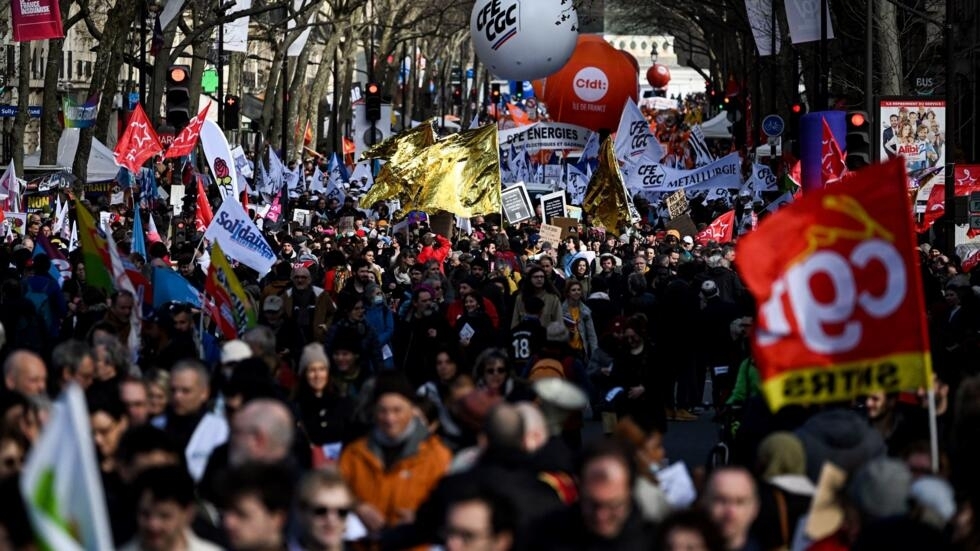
(43, 291)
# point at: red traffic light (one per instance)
(858, 119)
(178, 74)
(372, 88)
(796, 108)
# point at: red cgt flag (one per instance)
(138, 143)
(187, 139)
(36, 20)
(841, 310)
(203, 213)
(720, 231)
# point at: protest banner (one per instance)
(549, 234)
(647, 177)
(516, 203)
(239, 238)
(839, 293)
(545, 135)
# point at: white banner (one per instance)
(361, 180)
(170, 10)
(296, 46)
(336, 176)
(762, 180)
(545, 135)
(239, 238)
(648, 178)
(760, 19)
(220, 160)
(633, 137)
(803, 17)
(236, 32)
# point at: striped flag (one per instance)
(95, 251)
(702, 155)
(232, 310)
(60, 482)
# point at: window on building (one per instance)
(69, 64)
(88, 69)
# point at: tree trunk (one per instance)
(234, 85)
(318, 92)
(158, 79)
(23, 101)
(50, 127)
(298, 94)
(270, 102)
(108, 58)
(889, 49)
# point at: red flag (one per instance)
(349, 146)
(518, 115)
(36, 20)
(138, 143)
(832, 163)
(839, 293)
(967, 178)
(720, 231)
(187, 139)
(203, 214)
(308, 134)
(971, 260)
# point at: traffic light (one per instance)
(457, 95)
(495, 93)
(232, 108)
(372, 102)
(858, 140)
(796, 112)
(178, 96)
(974, 210)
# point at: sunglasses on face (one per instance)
(322, 511)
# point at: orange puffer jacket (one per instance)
(406, 484)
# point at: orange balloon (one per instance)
(632, 59)
(592, 88)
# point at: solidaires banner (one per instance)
(648, 177)
(840, 300)
(238, 237)
(545, 135)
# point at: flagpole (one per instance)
(933, 429)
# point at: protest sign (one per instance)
(516, 203)
(552, 204)
(549, 234)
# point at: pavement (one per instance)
(687, 441)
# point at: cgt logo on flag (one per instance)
(835, 278)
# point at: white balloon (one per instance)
(524, 39)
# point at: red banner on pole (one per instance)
(36, 20)
(138, 142)
(835, 275)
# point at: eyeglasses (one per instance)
(323, 510)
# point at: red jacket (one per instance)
(439, 254)
(455, 310)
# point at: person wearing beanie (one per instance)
(325, 416)
(784, 490)
(556, 359)
(393, 469)
(351, 318)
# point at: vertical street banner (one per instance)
(236, 30)
(840, 302)
(805, 22)
(36, 20)
(914, 129)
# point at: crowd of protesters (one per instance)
(477, 390)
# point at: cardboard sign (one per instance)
(177, 192)
(345, 225)
(442, 224)
(549, 234)
(677, 203)
(303, 217)
(516, 203)
(572, 211)
(683, 224)
(552, 205)
(569, 226)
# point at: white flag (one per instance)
(576, 184)
(220, 160)
(277, 171)
(633, 138)
(317, 183)
(60, 482)
(73, 240)
(762, 180)
(591, 149)
(361, 180)
(296, 46)
(8, 183)
(702, 155)
(236, 31)
(121, 281)
(294, 181)
(239, 238)
(336, 178)
(784, 200)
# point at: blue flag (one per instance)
(169, 286)
(139, 240)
